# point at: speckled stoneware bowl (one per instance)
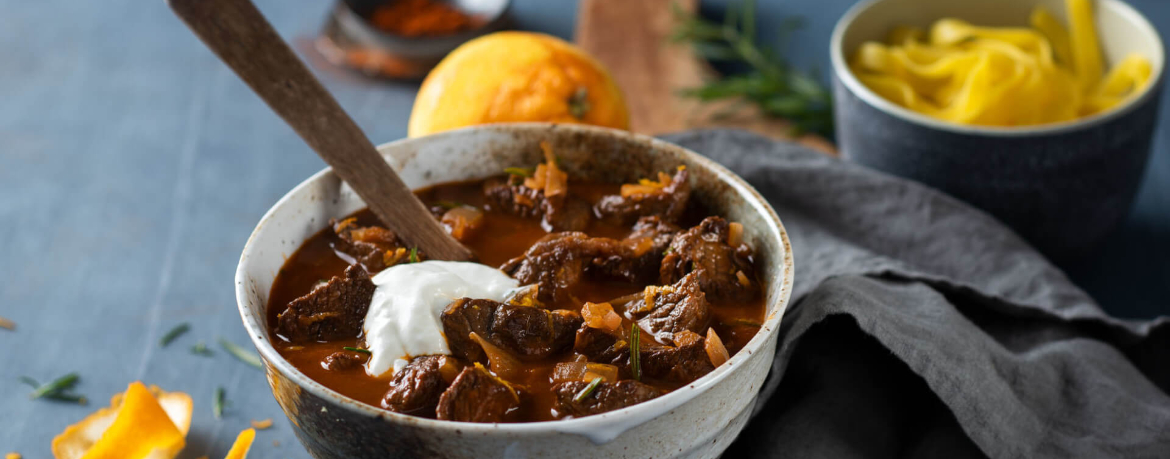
(1062, 186)
(698, 420)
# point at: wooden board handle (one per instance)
(237, 32)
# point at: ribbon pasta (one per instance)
(995, 76)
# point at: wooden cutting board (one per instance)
(632, 39)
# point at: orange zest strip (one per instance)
(242, 445)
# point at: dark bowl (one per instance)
(349, 39)
(1063, 187)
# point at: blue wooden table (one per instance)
(133, 166)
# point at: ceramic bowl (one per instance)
(1062, 186)
(698, 420)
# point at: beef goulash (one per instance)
(588, 297)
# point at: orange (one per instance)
(517, 76)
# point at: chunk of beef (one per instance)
(607, 396)
(667, 202)
(559, 261)
(375, 247)
(477, 396)
(659, 231)
(684, 362)
(725, 272)
(601, 346)
(330, 312)
(562, 212)
(344, 360)
(416, 388)
(527, 332)
(637, 258)
(555, 263)
(664, 311)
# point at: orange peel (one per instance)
(142, 423)
(242, 445)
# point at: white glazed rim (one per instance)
(634, 415)
(845, 75)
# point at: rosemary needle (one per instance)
(587, 390)
(58, 385)
(174, 333)
(218, 403)
(357, 349)
(635, 351)
(414, 254)
(201, 349)
(58, 389)
(520, 171)
(241, 354)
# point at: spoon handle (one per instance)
(238, 33)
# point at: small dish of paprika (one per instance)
(404, 39)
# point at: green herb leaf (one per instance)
(357, 349)
(587, 390)
(771, 84)
(66, 397)
(30, 381)
(56, 387)
(449, 204)
(218, 403)
(174, 333)
(242, 354)
(414, 254)
(635, 351)
(520, 171)
(668, 251)
(201, 349)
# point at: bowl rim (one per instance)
(850, 81)
(586, 426)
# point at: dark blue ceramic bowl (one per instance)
(1063, 186)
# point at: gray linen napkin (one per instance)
(922, 327)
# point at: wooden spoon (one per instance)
(237, 32)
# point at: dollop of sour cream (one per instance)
(404, 317)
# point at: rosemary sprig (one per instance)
(635, 351)
(414, 254)
(357, 349)
(58, 389)
(771, 83)
(201, 349)
(520, 171)
(587, 390)
(174, 333)
(241, 354)
(218, 403)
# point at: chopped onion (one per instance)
(583, 371)
(449, 369)
(601, 315)
(568, 371)
(501, 362)
(734, 234)
(715, 350)
(743, 279)
(463, 221)
(536, 182)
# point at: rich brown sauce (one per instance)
(502, 238)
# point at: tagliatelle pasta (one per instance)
(1001, 76)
